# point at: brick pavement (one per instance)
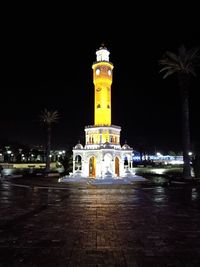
(84, 225)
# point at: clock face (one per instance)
(97, 71)
(109, 72)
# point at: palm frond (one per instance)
(168, 73)
(172, 56)
(193, 53)
(165, 68)
(168, 61)
(182, 62)
(48, 117)
(191, 70)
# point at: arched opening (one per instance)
(108, 163)
(117, 166)
(92, 167)
(128, 161)
(78, 162)
(125, 162)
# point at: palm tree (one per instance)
(182, 64)
(48, 118)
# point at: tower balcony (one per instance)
(99, 135)
(103, 126)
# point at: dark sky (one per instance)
(46, 61)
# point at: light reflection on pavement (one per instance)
(44, 223)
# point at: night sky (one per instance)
(46, 62)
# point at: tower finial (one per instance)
(103, 46)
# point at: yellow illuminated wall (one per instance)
(102, 78)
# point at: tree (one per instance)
(48, 118)
(67, 161)
(182, 65)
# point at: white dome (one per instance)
(125, 146)
(78, 146)
(107, 145)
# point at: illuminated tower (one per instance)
(102, 78)
(102, 156)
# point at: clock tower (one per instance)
(102, 78)
(102, 156)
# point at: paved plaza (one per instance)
(44, 223)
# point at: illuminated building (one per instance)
(102, 156)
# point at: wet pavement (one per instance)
(45, 223)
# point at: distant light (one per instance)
(190, 153)
(9, 152)
(159, 171)
(176, 162)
